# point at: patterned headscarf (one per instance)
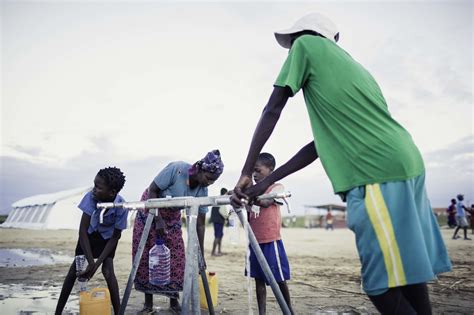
(211, 163)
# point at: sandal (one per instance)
(147, 310)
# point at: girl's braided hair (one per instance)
(113, 176)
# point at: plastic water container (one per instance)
(159, 263)
(233, 229)
(97, 301)
(81, 265)
(213, 282)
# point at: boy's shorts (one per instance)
(397, 234)
(218, 230)
(97, 245)
(277, 260)
(461, 221)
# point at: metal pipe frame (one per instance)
(192, 204)
(182, 202)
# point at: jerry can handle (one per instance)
(99, 293)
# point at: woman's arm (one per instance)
(153, 192)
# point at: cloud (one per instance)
(32, 151)
(80, 74)
(94, 91)
(450, 171)
(456, 157)
(22, 178)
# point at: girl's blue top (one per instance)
(114, 218)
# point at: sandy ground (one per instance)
(325, 274)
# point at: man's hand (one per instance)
(256, 190)
(244, 182)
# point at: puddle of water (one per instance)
(37, 300)
(16, 257)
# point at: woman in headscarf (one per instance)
(177, 179)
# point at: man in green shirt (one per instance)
(370, 159)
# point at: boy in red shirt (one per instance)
(265, 220)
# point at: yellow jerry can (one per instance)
(213, 289)
(95, 302)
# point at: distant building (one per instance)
(315, 216)
(440, 211)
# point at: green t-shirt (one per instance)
(357, 140)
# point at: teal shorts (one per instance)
(397, 234)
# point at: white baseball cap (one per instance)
(312, 22)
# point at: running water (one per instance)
(233, 228)
(247, 267)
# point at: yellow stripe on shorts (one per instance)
(382, 224)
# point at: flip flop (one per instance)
(146, 311)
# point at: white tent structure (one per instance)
(48, 211)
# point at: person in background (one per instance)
(265, 222)
(218, 217)
(99, 239)
(461, 218)
(177, 179)
(451, 211)
(471, 212)
(370, 159)
(329, 221)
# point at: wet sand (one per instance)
(325, 274)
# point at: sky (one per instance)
(90, 84)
